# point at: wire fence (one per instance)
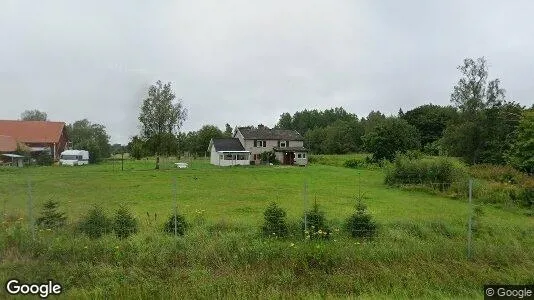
(203, 195)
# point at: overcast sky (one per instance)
(246, 62)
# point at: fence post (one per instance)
(470, 233)
(175, 207)
(305, 205)
(30, 208)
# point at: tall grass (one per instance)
(440, 173)
(238, 262)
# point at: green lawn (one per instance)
(420, 250)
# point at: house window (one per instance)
(301, 155)
(260, 143)
(284, 144)
(221, 157)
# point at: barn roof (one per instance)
(265, 133)
(7, 144)
(32, 131)
(227, 144)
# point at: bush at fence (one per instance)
(180, 224)
(439, 172)
(51, 217)
(95, 223)
(361, 223)
(353, 163)
(315, 222)
(504, 194)
(275, 222)
(504, 174)
(124, 224)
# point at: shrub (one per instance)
(361, 223)
(315, 222)
(175, 222)
(353, 163)
(439, 173)
(504, 174)
(268, 157)
(95, 223)
(275, 221)
(44, 159)
(524, 197)
(50, 217)
(124, 224)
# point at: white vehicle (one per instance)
(74, 157)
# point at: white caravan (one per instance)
(74, 157)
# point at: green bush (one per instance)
(315, 222)
(268, 157)
(361, 223)
(51, 217)
(44, 159)
(504, 174)
(180, 224)
(353, 163)
(439, 173)
(274, 224)
(124, 224)
(95, 223)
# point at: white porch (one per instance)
(232, 158)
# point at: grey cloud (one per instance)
(246, 62)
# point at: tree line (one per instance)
(480, 126)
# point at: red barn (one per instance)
(37, 135)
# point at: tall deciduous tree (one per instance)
(203, 137)
(162, 115)
(391, 136)
(521, 154)
(487, 121)
(33, 115)
(91, 137)
(228, 130)
(430, 120)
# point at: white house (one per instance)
(228, 152)
(287, 145)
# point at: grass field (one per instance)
(420, 251)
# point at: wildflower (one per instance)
(85, 247)
(21, 218)
(292, 245)
(116, 247)
(48, 229)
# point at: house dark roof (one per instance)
(32, 131)
(264, 133)
(229, 144)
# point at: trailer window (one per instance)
(69, 157)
